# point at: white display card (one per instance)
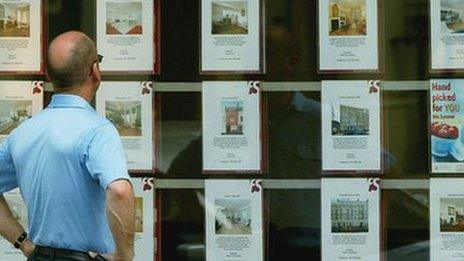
(351, 126)
(144, 190)
(231, 35)
(234, 229)
(19, 101)
(348, 35)
(350, 216)
(231, 126)
(446, 219)
(447, 34)
(128, 105)
(20, 35)
(18, 208)
(125, 35)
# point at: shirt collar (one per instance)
(69, 101)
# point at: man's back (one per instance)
(64, 161)
(70, 166)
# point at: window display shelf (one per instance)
(291, 86)
(282, 86)
(390, 184)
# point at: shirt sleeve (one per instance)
(8, 179)
(104, 156)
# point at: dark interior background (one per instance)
(292, 216)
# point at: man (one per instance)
(70, 167)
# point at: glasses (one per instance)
(99, 58)
(98, 61)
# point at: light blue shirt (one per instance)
(63, 159)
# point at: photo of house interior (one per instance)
(14, 19)
(124, 18)
(349, 216)
(233, 216)
(12, 114)
(452, 16)
(126, 116)
(229, 17)
(452, 214)
(233, 117)
(139, 214)
(347, 17)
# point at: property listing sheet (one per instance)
(19, 101)
(234, 230)
(19, 210)
(231, 35)
(447, 34)
(20, 35)
(231, 126)
(128, 105)
(446, 219)
(144, 190)
(124, 29)
(348, 35)
(350, 216)
(351, 135)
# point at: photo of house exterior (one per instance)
(349, 216)
(352, 121)
(451, 214)
(233, 115)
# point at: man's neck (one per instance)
(86, 95)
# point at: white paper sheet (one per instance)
(128, 105)
(234, 229)
(350, 216)
(348, 35)
(144, 190)
(447, 34)
(230, 35)
(125, 32)
(446, 125)
(19, 101)
(231, 126)
(20, 35)
(446, 219)
(351, 125)
(19, 209)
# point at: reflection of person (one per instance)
(293, 127)
(70, 166)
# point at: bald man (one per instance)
(70, 166)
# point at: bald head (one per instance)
(70, 59)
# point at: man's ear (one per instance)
(96, 76)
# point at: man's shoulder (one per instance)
(102, 127)
(75, 125)
(97, 120)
